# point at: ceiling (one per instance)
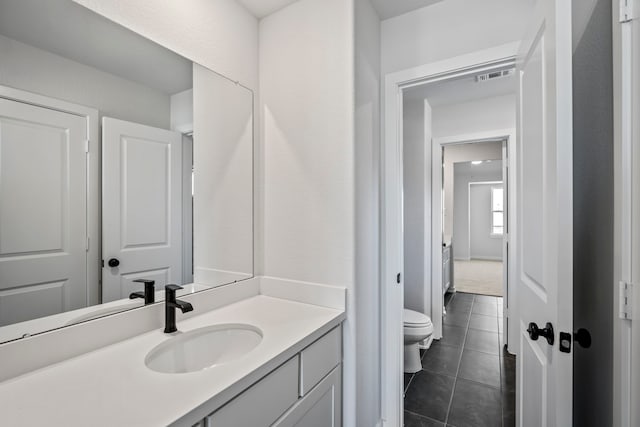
(461, 90)
(386, 8)
(76, 33)
(389, 8)
(262, 8)
(486, 167)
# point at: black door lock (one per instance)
(565, 342)
(581, 336)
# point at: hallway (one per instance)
(467, 379)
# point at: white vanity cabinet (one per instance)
(305, 391)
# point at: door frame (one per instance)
(626, 378)
(508, 138)
(94, 269)
(391, 239)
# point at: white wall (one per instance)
(308, 174)
(35, 70)
(221, 34)
(450, 28)
(482, 245)
(461, 237)
(476, 116)
(367, 157)
(417, 205)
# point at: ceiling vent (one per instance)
(493, 75)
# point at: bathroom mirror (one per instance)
(120, 161)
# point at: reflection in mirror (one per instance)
(97, 171)
(223, 204)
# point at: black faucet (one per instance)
(171, 303)
(149, 294)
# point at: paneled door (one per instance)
(141, 207)
(545, 218)
(43, 204)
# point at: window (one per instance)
(497, 211)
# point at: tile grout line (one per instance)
(463, 379)
(407, 387)
(423, 416)
(455, 382)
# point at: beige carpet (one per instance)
(478, 277)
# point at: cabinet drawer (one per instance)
(262, 403)
(319, 359)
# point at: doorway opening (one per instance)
(474, 215)
(396, 249)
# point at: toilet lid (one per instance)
(411, 317)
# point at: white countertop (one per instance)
(113, 387)
(46, 323)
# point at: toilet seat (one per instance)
(413, 319)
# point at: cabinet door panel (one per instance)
(262, 403)
(321, 407)
(319, 359)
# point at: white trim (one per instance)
(94, 269)
(187, 208)
(485, 136)
(391, 240)
(627, 353)
(508, 135)
(485, 258)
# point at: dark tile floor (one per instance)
(467, 379)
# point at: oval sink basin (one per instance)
(203, 348)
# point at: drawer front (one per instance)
(262, 403)
(317, 360)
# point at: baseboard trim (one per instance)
(485, 258)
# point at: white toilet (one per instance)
(417, 328)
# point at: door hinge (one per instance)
(628, 10)
(88, 243)
(86, 145)
(626, 300)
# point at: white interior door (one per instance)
(545, 215)
(141, 207)
(43, 202)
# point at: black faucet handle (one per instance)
(145, 281)
(170, 292)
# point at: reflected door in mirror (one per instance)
(141, 206)
(43, 198)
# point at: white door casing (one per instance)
(141, 206)
(505, 237)
(391, 245)
(43, 211)
(545, 215)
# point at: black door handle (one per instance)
(582, 337)
(113, 262)
(535, 332)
